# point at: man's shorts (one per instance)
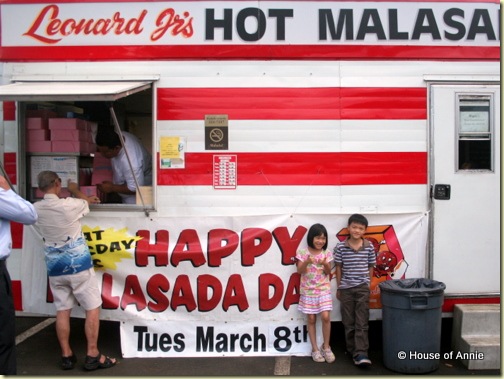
(71, 290)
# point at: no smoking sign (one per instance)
(216, 132)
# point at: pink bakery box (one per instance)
(37, 134)
(38, 146)
(101, 175)
(100, 160)
(67, 123)
(102, 169)
(36, 123)
(88, 148)
(89, 190)
(68, 135)
(67, 147)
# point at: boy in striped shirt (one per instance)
(355, 258)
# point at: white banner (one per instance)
(169, 273)
(149, 339)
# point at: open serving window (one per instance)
(58, 123)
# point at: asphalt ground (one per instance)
(39, 354)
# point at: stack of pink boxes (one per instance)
(37, 131)
(71, 135)
(47, 133)
(102, 172)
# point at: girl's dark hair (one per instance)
(317, 230)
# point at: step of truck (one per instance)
(480, 352)
(477, 319)
(476, 335)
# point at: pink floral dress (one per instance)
(315, 286)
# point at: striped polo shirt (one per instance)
(354, 264)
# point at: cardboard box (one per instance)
(67, 123)
(89, 190)
(69, 135)
(146, 192)
(100, 175)
(102, 169)
(38, 146)
(66, 147)
(36, 123)
(37, 134)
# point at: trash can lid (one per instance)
(413, 285)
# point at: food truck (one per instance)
(262, 119)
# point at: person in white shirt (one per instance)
(13, 208)
(109, 145)
(69, 266)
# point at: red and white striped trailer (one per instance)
(263, 117)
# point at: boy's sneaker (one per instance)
(361, 360)
(327, 354)
(317, 356)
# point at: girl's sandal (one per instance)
(93, 363)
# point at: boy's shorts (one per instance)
(71, 290)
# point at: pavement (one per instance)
(38, 354)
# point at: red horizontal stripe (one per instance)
(231, 52)
(316, 169)
(449, 303)
(293, 103)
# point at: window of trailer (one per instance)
(61, 124)
(475, 133)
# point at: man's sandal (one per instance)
(68, 363)
(93, 363)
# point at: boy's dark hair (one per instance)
(358, 219)
(316, 230)
(107, 137)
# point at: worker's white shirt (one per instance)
(141, 161)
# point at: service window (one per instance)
(58, 129)
(475, 136)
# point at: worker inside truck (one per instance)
(131, 164)
(62, 136)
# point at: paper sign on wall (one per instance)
(224, 167)
(172, 152)
(65, 167)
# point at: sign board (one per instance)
(216, 132)
(225, 171)
(64, 166)
(172, 152)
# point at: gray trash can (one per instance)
(411, 324)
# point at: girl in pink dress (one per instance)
(313, 263)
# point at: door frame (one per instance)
(465, 82)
